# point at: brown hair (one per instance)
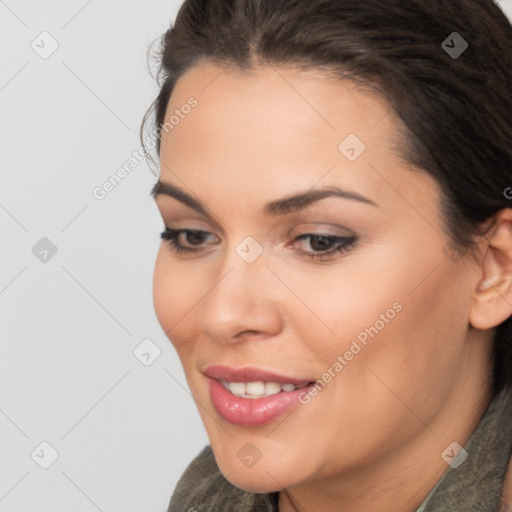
(456, 109)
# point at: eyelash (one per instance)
(346, 243)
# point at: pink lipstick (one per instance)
(251, 396)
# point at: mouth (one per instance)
(259, 389)
(251, 374)
(252, 396)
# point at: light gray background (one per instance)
(124, 432)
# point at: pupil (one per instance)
(322, 245)
(196, 236)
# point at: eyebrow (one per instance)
(286, 205)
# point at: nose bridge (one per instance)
(240, 298)
(243, 264)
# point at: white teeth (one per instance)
(237, 388)
(254, 388)
(271, 388)
(257, 389)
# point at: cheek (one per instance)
(395, 314)
(163, 293)
(421, 347)
(175, 291)
(333, 305)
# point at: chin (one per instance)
(263, 477)
(260, 482)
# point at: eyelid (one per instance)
(167, 209)
(321, 229)
(318, 228)
(189, 225)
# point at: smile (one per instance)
(252, 396)
(258, 389)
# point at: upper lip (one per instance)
(250, 374)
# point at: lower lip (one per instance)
(252, 411)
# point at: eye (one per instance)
(324, 246)
(195, 237)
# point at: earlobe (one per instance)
(492, 299)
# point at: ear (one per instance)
(491, 302)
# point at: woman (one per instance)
(336, 268)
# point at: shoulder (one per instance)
(202, 487)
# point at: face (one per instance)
(354, 292)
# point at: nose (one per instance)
(242, 302)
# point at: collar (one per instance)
(477, 483)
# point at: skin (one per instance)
(372, 439)
(506, 498)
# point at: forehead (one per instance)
(287, 96)
(272, 129)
